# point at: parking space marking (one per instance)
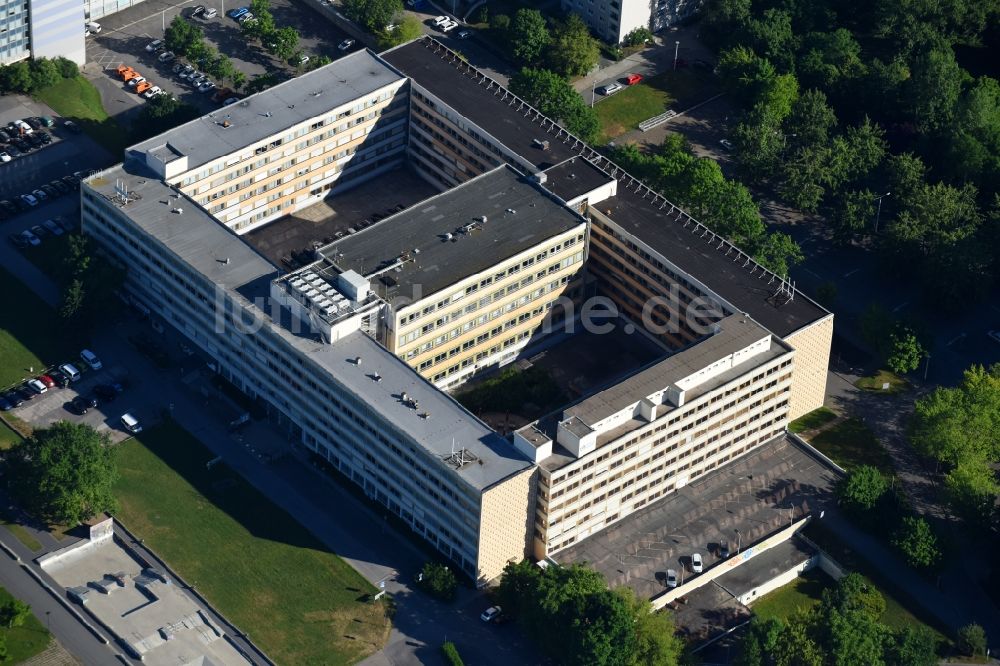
(146, 18)
(900, 306)
(850, 273)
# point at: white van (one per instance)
(70, 371)
(93, 28)
(131, 423)
(90, 358)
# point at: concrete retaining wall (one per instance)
(726, 566)
(830, 566)
(778, 581)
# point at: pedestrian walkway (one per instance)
(54, 655)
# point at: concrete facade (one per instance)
(57, 29)
(812, 358)
(612, 20)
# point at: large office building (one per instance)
(351, 352)
(41, 28)
(613, 19)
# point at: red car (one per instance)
(632, 79)
(48, 381)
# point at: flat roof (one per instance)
(274, 110)
(487, 104)
(519, 215)
(468, 91)
(447, 428)
(574, 177)
(736, 332)
(204, 244)
(747, 287)
(185, 229)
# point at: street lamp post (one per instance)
(878, 213)
(927, 367)
(739, 540)
(677, 47)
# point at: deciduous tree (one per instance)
(528, 36)
(64, 473)
(917, 542)
(863, 487)
(573, 51)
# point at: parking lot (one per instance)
(740, 503)
(125, 35)
(56, 403)
(67, 152)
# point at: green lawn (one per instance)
(801, 594)
(274, 580)
(874, 383)
(78, 100)
(623, 111)
(851, 443)
(31, 333)
(8, 437)
(529, 393)
(806, 591)
(814, 419)
(25, 641)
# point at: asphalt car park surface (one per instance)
(125, 35)
(67, 152)
(55, 404)
(741, 503)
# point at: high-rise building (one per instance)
(41, 28)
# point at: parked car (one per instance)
(632, 79)
(46, 121)
(53, 228)
(727, 144)
(198, 10)
(45, 138)
(47, 381)
(5, 156)
(39, 231)
(238, 12)
(303, 59)
(61, 380)
(18, 241)
(90, 358)
(4, 404)
(211, 12)
(245, 17)
(72, 127)
(26, 392)
(93, 28)
(346, 44)
(166, 56)
(81, 405)
(178, 67)
(29, 199)
(37, 386)
(133, 82)
(671, 578)
(231, 100)
(153, 92)
(8, 207)
(697, 565)
(30, 239)
(440, 20)
(66, 224)
(205, 86)
(33, 123)
(465, 34)
(490, 613)
(52, 192)
(154, 45)
(187, 72)
(70, 370)
(14, 398)
(449, 26)
(61, 186)
(107, 392)
(610, 89)
(131, 423)
(724, 549)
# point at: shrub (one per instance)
(451, 654)
(637, 37)
(863, 487)
(917, 542)
(972, 640)
(438, 581)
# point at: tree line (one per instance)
(861, 111)
(27, 76)
(572, 615)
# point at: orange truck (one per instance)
(126, 72)
(143, 87)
